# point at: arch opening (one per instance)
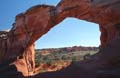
(70, 30)
(70, 33)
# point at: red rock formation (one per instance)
(101, 64)
(97, 11)
(17, 46)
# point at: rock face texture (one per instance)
(105, 13)
(17, 45)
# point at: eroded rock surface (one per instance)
(17, 47)
(105, 13)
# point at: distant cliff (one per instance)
(68, 49)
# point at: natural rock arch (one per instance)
(17, 46)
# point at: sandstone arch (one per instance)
(17, 48)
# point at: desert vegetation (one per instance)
(57, 58)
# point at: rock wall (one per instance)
(17, 48)
(104, 13)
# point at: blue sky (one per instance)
(70, 32)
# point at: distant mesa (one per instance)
(67, 49)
